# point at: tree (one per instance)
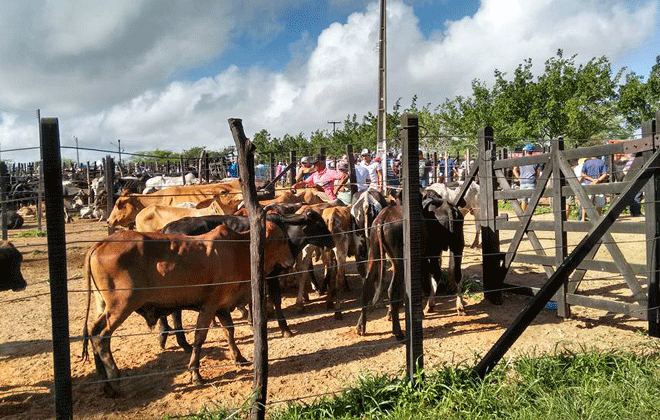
(640, 101)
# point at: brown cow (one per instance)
(155, 274)
(129, 205)
(154, 217)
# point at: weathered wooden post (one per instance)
(351, 170)
(412, 245)
(490, 248)
(435, 167)
(4, 177)
(272, 166)
(57, 266)
(257, 217)
(109, 167)
(293, 158)
(651, 213)
(559, 211)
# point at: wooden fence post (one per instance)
(651, 213)
(245, 149)
(110, 187)
(4, 178)
(412, 246)
(559, 211)
(52, 170)
(272, 166)
(490, 238)
(294, 160)
(351, 170)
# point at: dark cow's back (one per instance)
(14, 220)
(10, 266)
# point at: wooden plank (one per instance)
(638, 294)
(638, 228)
(591, 265)
(630, 309)
(559, 211)
(110, 187)
(606, 188)
(469, 179)
(257, 217)
(536, 305)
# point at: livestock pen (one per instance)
(322, 358)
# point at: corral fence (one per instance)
(495, 187)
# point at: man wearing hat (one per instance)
(527, 175)
(323, 178)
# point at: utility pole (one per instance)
(119, 148)
(381, 141)
(77, 154)
(334, 124)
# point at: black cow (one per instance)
(302, 229)
(14, 220)
(442, 230)
(10, 266)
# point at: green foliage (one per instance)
(32, 234)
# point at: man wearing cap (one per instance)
(594, 172)
(527, 175)
(323, 178)
(374, 170)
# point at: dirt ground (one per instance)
(324, 356)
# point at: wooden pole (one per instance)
(52, 171)
(559, 210)
(652, 212)
(110, 187)
(293, 158)
(351, 170)
(257, 217)
(4, 177)
(412, 246)
(490, 249)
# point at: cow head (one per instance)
(126, 208)
(316, 230)
(10, 264)
(277, 251)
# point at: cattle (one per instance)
(155, 274)
(14, 220)
(365, 207)
(160, 182)
(442, 230)
(470, 204)
(301, 230)
(10, 265)
(154, 217)
(129, 205)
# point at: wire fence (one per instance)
(350, 307)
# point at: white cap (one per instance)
(365, 152)
(304, 159)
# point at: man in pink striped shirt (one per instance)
(323, 178)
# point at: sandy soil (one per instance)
(324, 356)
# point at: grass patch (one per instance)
(32, 234)
(588, 385)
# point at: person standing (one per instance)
(527, 175)
(305, 170)
(423, 171)
(232, 171)
(594, 172)
(373, 169)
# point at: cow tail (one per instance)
(87, 272)
(381, 268)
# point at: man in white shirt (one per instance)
(374, 170)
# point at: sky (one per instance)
(168, 75)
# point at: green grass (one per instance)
(585, 386)
(32, 234)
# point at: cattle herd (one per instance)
(185, 247)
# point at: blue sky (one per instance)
(168, 74)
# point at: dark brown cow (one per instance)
(155, 274)
(10, 266)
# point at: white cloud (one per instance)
(104, 89)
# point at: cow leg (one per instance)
(201, 330)
(341, 277)
(228, 324)
(178, 332)
(163, 331)
(276, 296)
(101, 332)
(304, 267)
(477, 228)
(367, 295)
(456, 279)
